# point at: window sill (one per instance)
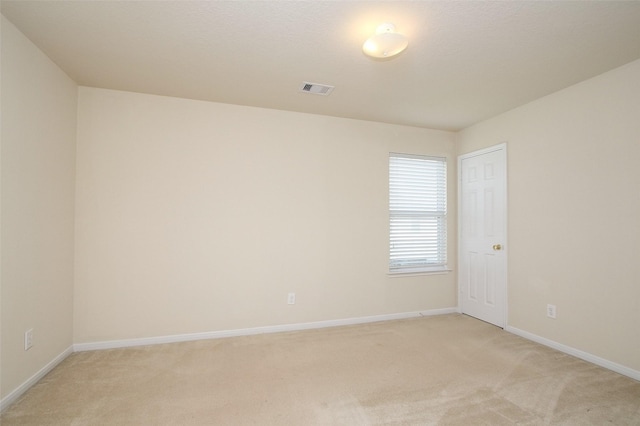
(418, 272)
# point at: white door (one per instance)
(482, 256)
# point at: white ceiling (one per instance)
(466, 60)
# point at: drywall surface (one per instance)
(574, 213)
(196, 217)
(39, 107)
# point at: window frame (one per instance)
(425, 210)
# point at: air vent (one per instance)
(316, 89)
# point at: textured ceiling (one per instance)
(466, 61)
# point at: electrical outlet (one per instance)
(28, 339)
(291, 299)
(551, 311)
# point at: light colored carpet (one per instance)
(448, 370)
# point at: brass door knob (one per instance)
(497, 247)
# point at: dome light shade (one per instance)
(386, 42)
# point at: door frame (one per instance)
(499, 147)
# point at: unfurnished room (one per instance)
(320, 212)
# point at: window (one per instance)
(417, 213)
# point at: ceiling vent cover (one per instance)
(316, 89)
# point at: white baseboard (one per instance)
(17, 392)
(621, 369)
(113, 344)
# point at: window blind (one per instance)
(417, 213)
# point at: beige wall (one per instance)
(39, 105)
(197, 217)
(574, 213)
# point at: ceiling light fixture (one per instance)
(386, 42)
